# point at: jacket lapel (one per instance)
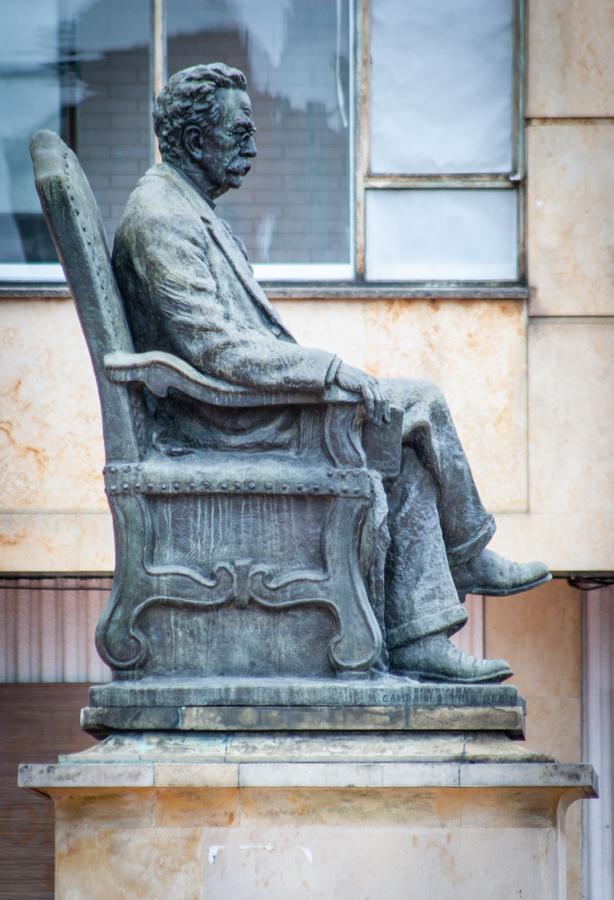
(226, 244)
(241, 269)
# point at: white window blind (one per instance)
(460, 235)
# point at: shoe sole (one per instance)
(426, 677)
(489, 592)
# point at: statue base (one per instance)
(379, 815)
(277, 704)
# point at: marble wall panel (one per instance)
(570, 59)
(54, 514)
(50, 429)
(338, 326)
(570, 218)
(475, 351)
(571, 417)
(567, 542)
(56, 542)
(39, 542)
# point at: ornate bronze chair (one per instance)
(260, 562)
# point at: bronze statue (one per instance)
(189, 291)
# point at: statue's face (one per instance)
(224, 152)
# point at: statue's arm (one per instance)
(170, 258)
(162, 372)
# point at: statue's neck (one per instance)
(200, 181)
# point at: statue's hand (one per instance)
(377, 405)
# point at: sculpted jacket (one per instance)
(189, 290)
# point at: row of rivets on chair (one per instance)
(179, 487)
(126, 469)
(77, 212)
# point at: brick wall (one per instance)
(112, 128)
(294, 206)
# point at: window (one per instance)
(390, 146)
(80, 68)
(441, 178)
(293, 211)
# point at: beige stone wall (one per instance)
(530, 397)
(54, 512)
(570, 226)
(531, 385)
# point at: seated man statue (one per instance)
(189, 290)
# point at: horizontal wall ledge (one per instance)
(11, 291)
(510, 776)
(571, 320)
(569, 120)
(320, 291)
(396, 291)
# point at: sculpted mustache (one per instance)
(239, 168)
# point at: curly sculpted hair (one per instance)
(190, 98)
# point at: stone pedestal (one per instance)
(383, 703)
(342, 816)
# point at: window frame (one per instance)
(351, 276)
(365, 180)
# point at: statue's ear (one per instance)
(192, 140)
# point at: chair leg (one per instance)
(359, 641)
(139, 584)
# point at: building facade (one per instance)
(433, 197)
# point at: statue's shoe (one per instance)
(435, 658)
(493, 575)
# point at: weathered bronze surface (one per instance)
(302, 704)
(277, 512)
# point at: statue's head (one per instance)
(204, 125)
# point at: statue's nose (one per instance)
(250, 148)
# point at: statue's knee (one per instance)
(439, 411)
(435, 399)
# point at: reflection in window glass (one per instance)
(439, 235)
(441, 86)
(294, 207)
(80, 68)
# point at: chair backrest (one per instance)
(76, 227)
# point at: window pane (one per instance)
(80, 68)
(441, 86)
(441, 234)
(294, 206)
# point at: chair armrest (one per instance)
(345, 433)
(161, 372)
